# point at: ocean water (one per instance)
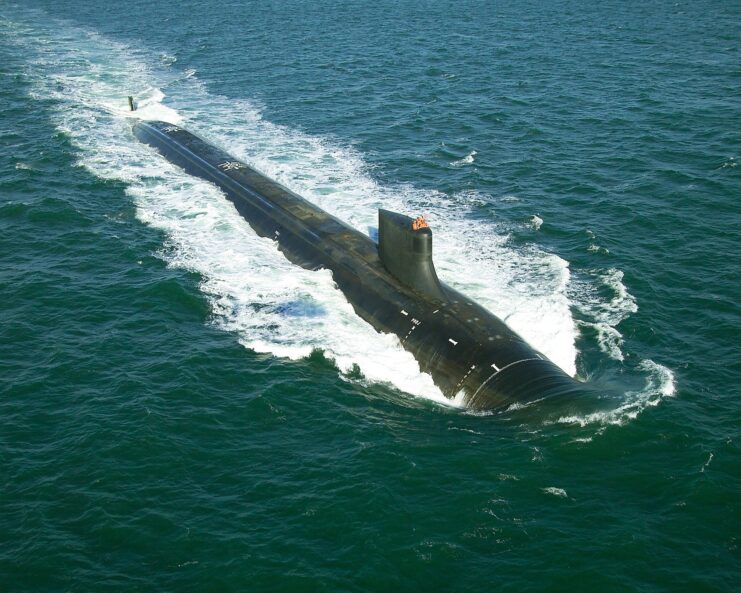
(184, 410)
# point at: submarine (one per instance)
(473, 357)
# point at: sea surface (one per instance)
(181, 409)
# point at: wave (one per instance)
(466, 160)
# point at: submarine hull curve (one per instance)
(472, 355)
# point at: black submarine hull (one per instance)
(473, 357)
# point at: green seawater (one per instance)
(183, 410)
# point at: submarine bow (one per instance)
(473, 357)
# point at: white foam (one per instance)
(273, 306)
(605, 314)
(583, 440)
(729, 163)
(466, 160)
(660, 383)
(168, 58)
(150, 107)
(594, 248)
(560, 492)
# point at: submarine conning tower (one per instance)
(452, 334)
(405, 249)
